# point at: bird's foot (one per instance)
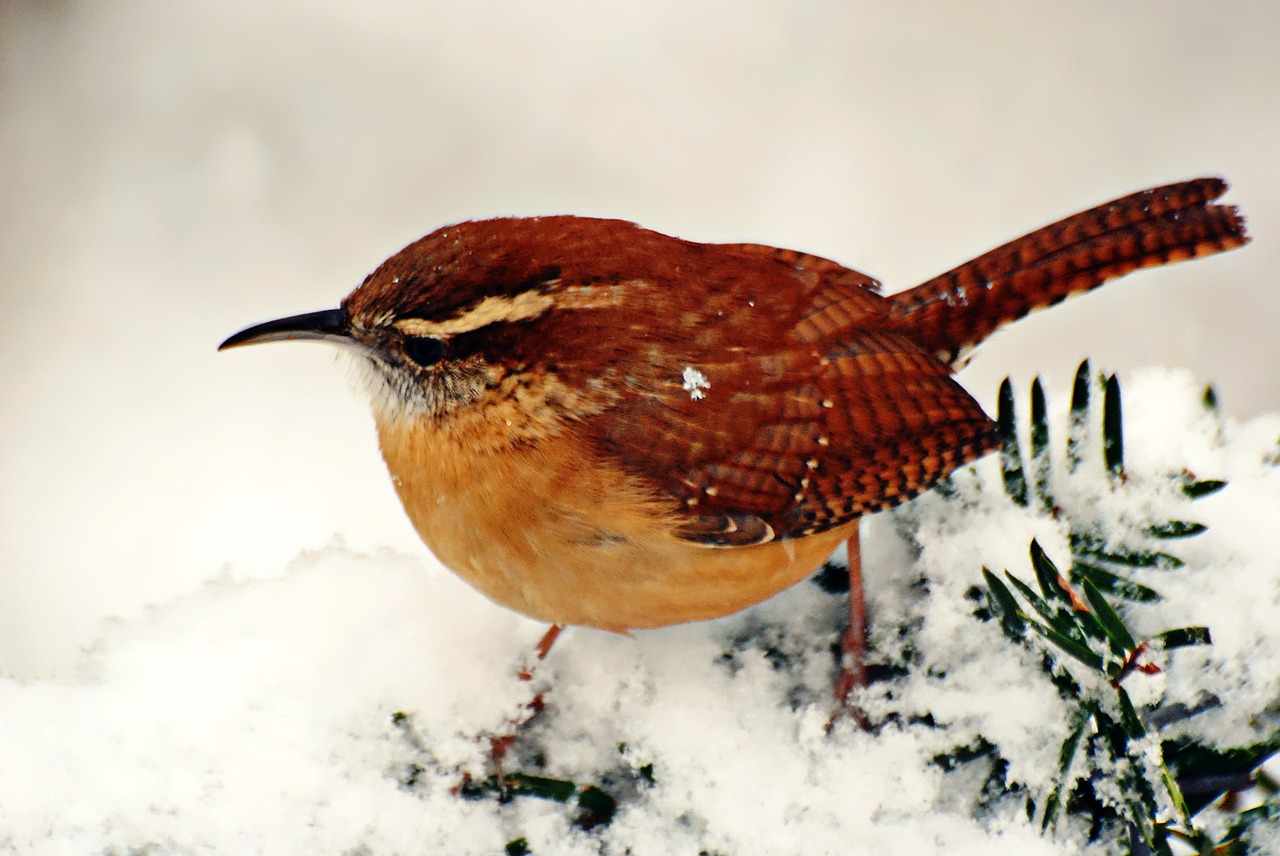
(500, 744)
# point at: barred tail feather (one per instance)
(955, 311)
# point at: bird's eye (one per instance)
(424, 350)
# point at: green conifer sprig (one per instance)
(1106, 752)
(1106, 566)
(1092, 632)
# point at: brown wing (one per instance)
(837, 279)
(783, 417)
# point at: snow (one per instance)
(695, 383)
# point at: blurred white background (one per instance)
(172, 171)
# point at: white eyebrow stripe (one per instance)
(521, 307)
(526, 304)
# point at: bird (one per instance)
(600, 425)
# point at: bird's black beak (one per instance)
(328, 326)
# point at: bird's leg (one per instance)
(540, 651)
(853, 648)
(499, 744)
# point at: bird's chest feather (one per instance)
(542, 531)
(532, 527)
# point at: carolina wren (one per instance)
(597, 424)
